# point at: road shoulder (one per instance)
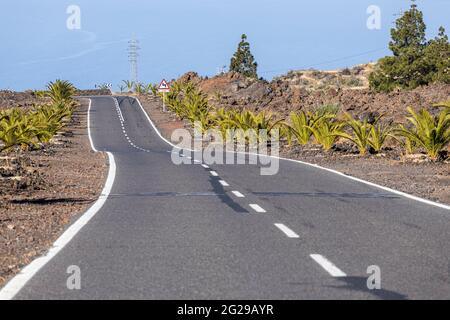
(71, 177)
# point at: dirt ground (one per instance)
(27, 99)
(285, 95)
(60, 183)
(414, 174)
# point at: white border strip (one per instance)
(224, 183)
(403, 194)
(238, 194)
(20, 280)
(257, 208)
(328, 266)
(89, 126)
(287, 231)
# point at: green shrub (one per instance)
(326, 130)
(61, 91)
(366, 136)
(302, 122)
(432, 133)
(415, 60)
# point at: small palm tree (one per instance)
(129, 85)
(326, 130)
(16, 130)
(60, 91)
(432, 133)
(360, 133)
(301, 124)
(139, 88)
(379, 134)
(366, 136)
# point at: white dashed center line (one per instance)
(328, 265)
(287, 231)
(205, 166)
(213, 173)
(257, 208)
(224, 183)
(238, 194)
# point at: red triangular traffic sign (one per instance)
(164, 86)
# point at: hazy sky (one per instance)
(182, 35)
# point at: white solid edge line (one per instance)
(89, 126)
(404, 194)
(328, 265)
(238, 194)
(121, 118)
(287, 231)
(20, 280)
(224, 183)
(257, 208)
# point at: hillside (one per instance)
(309, 89)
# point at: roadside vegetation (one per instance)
(138, 88)
(30, 129)
(416, 61)
(422, 131)
(243, 61)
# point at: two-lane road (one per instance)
(195, 231)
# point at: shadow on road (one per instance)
(360, 284)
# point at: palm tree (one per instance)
(432, 133)
(16, 130)
(129, 85)
(60, 91)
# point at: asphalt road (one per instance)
(172, 231)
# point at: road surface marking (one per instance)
(213, 173)
(197, 161)
(257, 208)
(224, 183)
(238, 194)
(89, 126)
(287, 231)
(406, 195)
(20, 280)
(205, 166)
(328, 265)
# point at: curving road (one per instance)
(184, 232)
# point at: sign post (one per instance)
(164, 87)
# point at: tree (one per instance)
(243, 60)
(438, 55)
(415, 61)
(408, 36)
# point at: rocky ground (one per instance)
(9, 99)
(28, 99)
(289, 93)
(45, 191)
(413, 174)
(93, 92)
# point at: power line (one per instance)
(325, 62)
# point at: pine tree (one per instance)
(243, 60)
(409, 33)
(415, 61)
(437, 54)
